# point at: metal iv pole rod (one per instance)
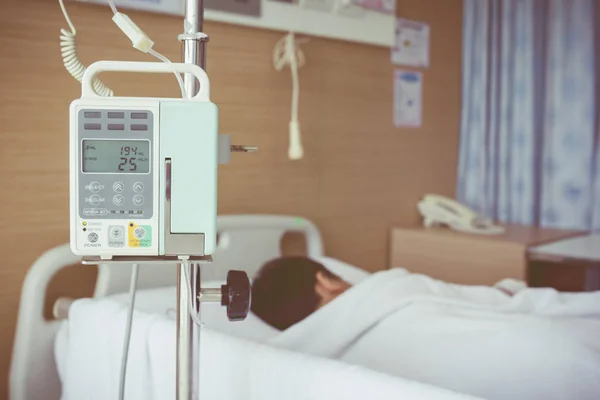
(188, 337)
(188, 333)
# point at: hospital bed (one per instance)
(245, 242)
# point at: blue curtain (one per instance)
(531, 95)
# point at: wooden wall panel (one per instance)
(360, 175)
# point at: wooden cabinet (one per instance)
(468, 258)
(569, 265)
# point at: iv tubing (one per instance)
(132, 289)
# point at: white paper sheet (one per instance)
(408, 87)
(412, 43)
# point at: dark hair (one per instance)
(283, 292)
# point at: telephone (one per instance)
(439, 210)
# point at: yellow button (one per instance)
(133, 241)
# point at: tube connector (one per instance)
(138, 38)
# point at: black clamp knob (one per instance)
(236, 295)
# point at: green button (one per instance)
(146, 241)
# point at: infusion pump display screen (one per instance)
(116, 156)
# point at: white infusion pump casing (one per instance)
(143, 171)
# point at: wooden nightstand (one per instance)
(570, 265)
(468, 258)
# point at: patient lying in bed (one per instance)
(479, 340)
(289, 289)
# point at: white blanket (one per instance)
(231, 368)
(537, 344)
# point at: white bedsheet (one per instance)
(538, 344)
(162, 302)
(232, 368)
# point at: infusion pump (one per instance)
(143, 171)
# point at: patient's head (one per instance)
(288, 289)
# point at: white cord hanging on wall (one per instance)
(287, 53)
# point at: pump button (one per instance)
(138, 187)
(116, 232)
(139, 233)
(118, 187)
(93, 237)
(118, 199)
(138, 199)
(95, 199)
(94, 187)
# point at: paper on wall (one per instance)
(408, 88)
(251, 8)
(382, 6)
(171, 7)
(411, 43)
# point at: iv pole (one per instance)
(188, 333)
(235, 294)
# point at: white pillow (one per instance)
(347, 272)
